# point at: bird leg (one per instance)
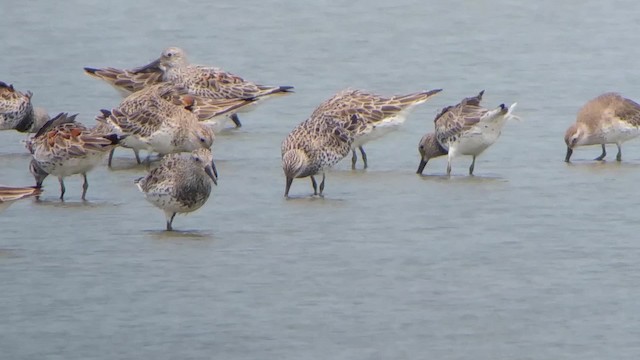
(136, 152)
(315, 185)
(170, 221)
(236, 120)
(364, 156)
(354, 159)
(111, 156)
(85, 186)
(322, 184)
(473, 163)
(62, 188)
(619, 156)
(604, 153)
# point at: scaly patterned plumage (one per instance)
(159, 119)
(606, 119)
(381, 115)
(173, 67)
(17, 112)
(209, 81)
(468, 129)
(206, 110)
(64, 147)
(180, 184)
(126, 81)
(328, 135)
(9, 194)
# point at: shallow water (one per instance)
(530, 259)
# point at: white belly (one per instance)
(133, 142)
(162, 142)
(374, 134)
(477, 139)
(619, 132)
(217, 124)
(379, 130)
(71, 166)
(166, 202)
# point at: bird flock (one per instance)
(174, 108)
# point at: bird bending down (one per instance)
(429, 148)
(329, 134)
(180, 184)
(64, 147)
(469, 129)
(606, 119)
(172, 66)
(381, 114)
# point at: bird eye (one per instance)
(203, 139)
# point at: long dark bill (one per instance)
(421, 166)
(569, 152)
(152, 66)
(211, 171)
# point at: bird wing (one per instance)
(217, 83)
(454, 120)
(629, 111)
(127, 80)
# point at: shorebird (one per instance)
(469, 129)
(331, 131)
(382, 114)
(17, 112)
(429, 148)
(64, 147)
(9, 194)
(156, 119)
(180, 184)
(153, 106)
(172, 66)
(606, 119)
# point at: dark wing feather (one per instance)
(629, 111)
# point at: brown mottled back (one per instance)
(127, 81)
(606, 108)
(370, 107)
(453, 120)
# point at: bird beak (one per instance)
(569, 152)
(286, 189)
(212, 172)
(423, 163)
(154, 65)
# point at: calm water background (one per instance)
(530, 259)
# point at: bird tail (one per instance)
(114, 138)
(502, 113)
